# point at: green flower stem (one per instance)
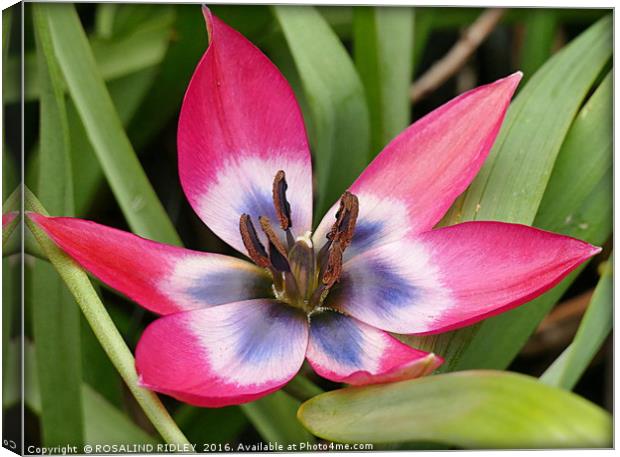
(108, 335)
(302, 388)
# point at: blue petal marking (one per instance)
(229, 286)
(377, 284)
(258, 202)
(338, 337)
(258, 342)
(390, 286)
(366, 234)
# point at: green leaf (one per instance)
(104, 19)
(339, 18)
(55, 316)
(510, 188)
(102, 325)
(274, 418)
(540, 28)
(302, 388)
(103, 423)
(383, 45)
(574, 169)
(131, 16)
(173, 75)
(511, 184)
(11, 358)
(127, 93)
(253, 21)
(211, 426)
(106, 424)
(337, 118)
(134, 193)
(424, 21)
(471, 409)
(11, 306)
(593, 330)
(143, 48)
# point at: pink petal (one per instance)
(9, 217)
(163, 279)
(454, 276)
(225, 355)
(239, 125)
(344, 349)
(416, 178)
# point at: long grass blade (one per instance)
(337, 117)
(383, 52)
(593, 330)
(55, 316)
(134, 193)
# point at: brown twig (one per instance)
(447, 66)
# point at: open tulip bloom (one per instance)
(233, 331)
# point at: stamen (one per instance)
(333, 270)
(283, 208)
(343, 229)
(277, 251)
(252, 244)
(346, 218)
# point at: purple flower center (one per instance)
(302, 277)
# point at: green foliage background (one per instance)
(103, 84)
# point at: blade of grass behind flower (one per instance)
(339, 18)
(130, 16)
(274, 418)
(593, 331)
(103, 422)
(104, 19)
(211, 425)
(143, 48)
(55, 315)
(540, 28)
(423, 26)
(126, 94)
(135, 195)
(383, 52)
(338, 119)
(166, 92)
(511, 185)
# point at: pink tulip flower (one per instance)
(232, 331)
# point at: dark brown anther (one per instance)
(277, 251)
(346, 218)
(252, 244)
(333, 269)
(283, 209)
